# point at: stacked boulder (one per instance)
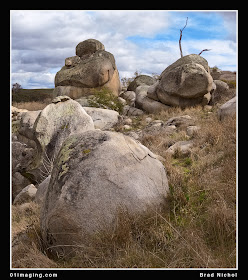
(186, 82)
(91, 68)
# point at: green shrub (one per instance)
(104, 98)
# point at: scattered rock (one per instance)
(181, 121)
(129, 96)
(27, 194)
(147, 104)
(103, 118)
(180, 149)
(19, 182)
(141, 80)
(132, 111)
(192, 129)
(220, 91)
(228, 109)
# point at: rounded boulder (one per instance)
(95, 174)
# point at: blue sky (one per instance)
(146, 41)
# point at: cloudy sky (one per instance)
(146, 41)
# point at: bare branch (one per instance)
(181, 33)
(204, 51)
(185, 24)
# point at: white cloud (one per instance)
(33, 80)
(41, 40)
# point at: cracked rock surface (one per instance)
(95, 174)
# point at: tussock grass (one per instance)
(27, 246)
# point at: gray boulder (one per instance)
(151, 91)
(221, 89)
(19, 182)
(132, 111)
(185, 82)
(191, 58)
(147, 104)
(180, 149)
(97, 173)
(227, 110)
(181, 122)
(141, 80)
(54, 124)
(129, 96)
(26, 195)
(103, 118)
(25, 131)
(22, 156)
(88, 47)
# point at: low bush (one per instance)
(104, 98)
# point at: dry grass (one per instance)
(196, 230)
(27, 247)
(32, 105)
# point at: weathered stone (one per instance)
(129, 96)
(187, 80)
(96, 173)
(88, 47)
(72, 61)
(191, 58)
(151, 92)
(180, 149)
(192, 129)
(54, 124)
(132, 111)
(181, 121)
(228, 109)
(145, 103)
(221, 89)
(27, 194)
(103, 118)
(184, 83)
(141, 80)
(19, 182)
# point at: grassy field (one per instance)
(26, 96)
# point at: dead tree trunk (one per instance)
(181, 33)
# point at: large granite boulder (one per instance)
(61, 118)
(184, 83)
(95, 174)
